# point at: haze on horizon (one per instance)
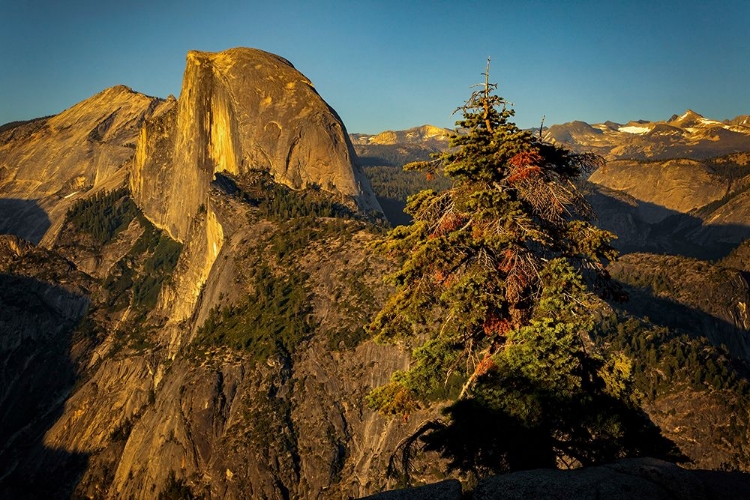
(395, 65)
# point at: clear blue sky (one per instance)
(396, 64)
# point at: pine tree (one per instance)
(495, 297)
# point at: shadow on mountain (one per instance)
(483, 436)
(671, 232)
(37, 327)
(23, 218)
(393, 155)
(376, 161)
(674, 233)
(394, 211)
(675, 316)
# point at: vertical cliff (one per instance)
(241, 110)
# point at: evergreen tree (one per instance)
(492, 296)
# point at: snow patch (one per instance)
(667, 132)
(69, 195)
(706, 121)
(632, 129)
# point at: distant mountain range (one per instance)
(676, 186)
(688, 135)
(426, 134)
(395, 148)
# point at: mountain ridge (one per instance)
(689, 135)
(421, 134)
(49, 163)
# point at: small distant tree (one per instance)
(495, 295)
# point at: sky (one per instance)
(392, 65)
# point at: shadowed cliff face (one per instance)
(697, 297)
(37, 370)
(674, 232)
(241, 110)
(23, 218)
(37, 320)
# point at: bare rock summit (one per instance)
(241, 110)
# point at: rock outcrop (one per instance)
(642, 478)
(697, 208)
(663, 188)
(241, 110)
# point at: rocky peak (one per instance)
(47, 164)
(688, 119)
(242, 110)
(571, 132)
(239, 112)
(741, 120)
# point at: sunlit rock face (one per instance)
(241, 110)
(48, 163)
(669, 186)
(425, 134)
